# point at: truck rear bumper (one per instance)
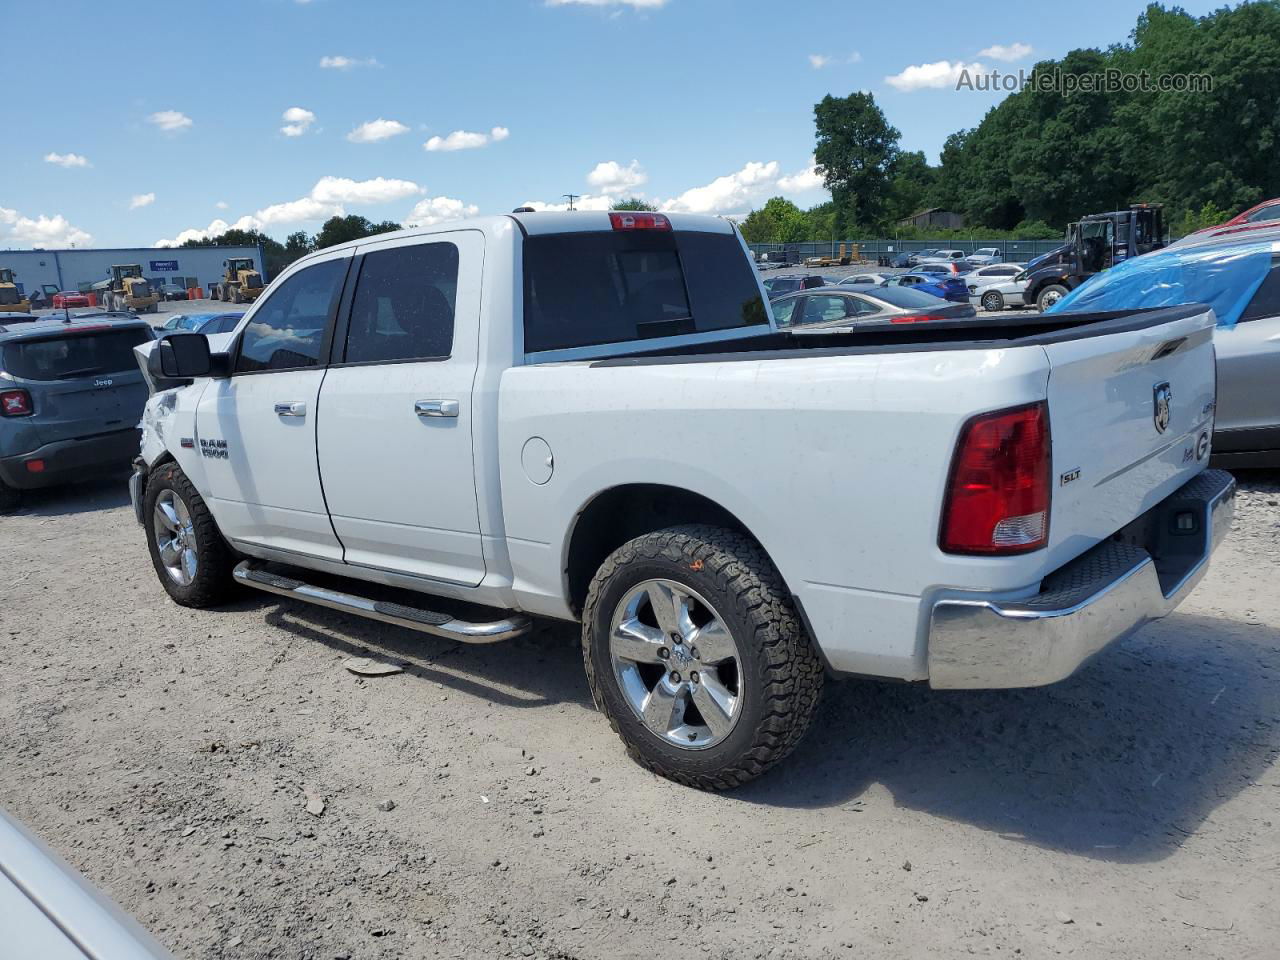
(1100, 597)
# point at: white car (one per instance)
(942, 256)
(589, 416)
(996, 287)
(984, 256)
(868, 278)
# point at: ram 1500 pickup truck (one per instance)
(591, 417)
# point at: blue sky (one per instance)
(280, 113)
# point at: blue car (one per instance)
(943, 286)
(199, 323)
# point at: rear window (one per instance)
(1266, 302)
(583, 289)
(75, 355)
(904, 297)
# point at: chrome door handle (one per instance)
(291, 408)
(436, 408)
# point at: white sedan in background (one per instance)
(995, 287)
(984, 256)
(871, 278)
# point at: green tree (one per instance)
(911, 187)
(633, 203)
(778, 221)
(337, 230)
(856, 152)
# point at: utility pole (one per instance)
(571, 197)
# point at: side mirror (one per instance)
(185, 356)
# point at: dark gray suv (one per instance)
(71, 395)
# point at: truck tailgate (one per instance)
(1131, 419)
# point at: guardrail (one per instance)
(1017, 251)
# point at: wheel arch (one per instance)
(626, 511)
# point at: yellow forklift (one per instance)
(240, 282)
(126, 289)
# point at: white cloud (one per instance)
(466, 139)
(347, 63)
(587, 202)
(611, 177)
(818, 60)
(296, 121)
(807, 179)
(728, 194)
(222, 204)
(170, 121)
(328, 198)
(17, 230)
(67, 160)
(937, 76)
(141, 200)
(433, 210)
(376, 130)
(634, 4)
(1014, 51)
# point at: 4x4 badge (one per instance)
(1162, 399)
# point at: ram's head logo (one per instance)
(1163, 398)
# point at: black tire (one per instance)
(781, 677)
(10, 498)
(993, 301)
(1049, 295)
(212, 583)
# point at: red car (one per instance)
(1263, 215)
(69, 298)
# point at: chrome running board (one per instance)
(414, 618)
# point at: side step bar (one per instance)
(424, 621)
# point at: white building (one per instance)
(78, 269)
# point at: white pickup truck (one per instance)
(591, 417)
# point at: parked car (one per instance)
(777, 286)
(919, 256)
(942, 256)
(1238, 274)
(200, 323)
(997, 286)
(868, 306)
(584, 446)
(51, 911)
(11, 318)
(954, 268)
(1258, 217)
(863, 278)
(984, 256)
(70, 298)
(937, 285)
(168, 290)
(71, 395)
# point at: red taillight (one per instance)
(15, 403)
(998, 498)
(35, 466)
(639, 221)
(911, 318)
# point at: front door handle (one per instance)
(436, 408)
(291, 408)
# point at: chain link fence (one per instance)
(1016, 251)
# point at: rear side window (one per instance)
(77, 355)
(1266, 302)
(288, 327)
(403, 305)
(583, 289)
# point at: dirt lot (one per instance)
(169, 754)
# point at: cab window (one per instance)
(403, 305)
(288, 327)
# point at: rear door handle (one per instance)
(436, 408)
(291, 408)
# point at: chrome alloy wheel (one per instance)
(677, 664)
(175, 537)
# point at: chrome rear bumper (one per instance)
(1100, 597)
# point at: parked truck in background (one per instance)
(11, 298)
(241, 282)
(1093, 244)
(125, 288)
(591, 417)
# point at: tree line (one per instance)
(1043, 157)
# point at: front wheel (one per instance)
(1049, 296)
(191, 559)
(993, 301)
(695, 653)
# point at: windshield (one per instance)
(611, 287)
(9, 295)
(74, 355)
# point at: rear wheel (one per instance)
(191, 559)
(695, 653)
(993, 300)
(1050, 295)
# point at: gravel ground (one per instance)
(171, 754)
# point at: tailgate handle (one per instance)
(436, 408)
(1168, 347)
